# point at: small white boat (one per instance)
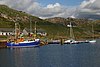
(71, 42)
(92, 41)
(54, 42)
(72, 38)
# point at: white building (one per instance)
(6, 31)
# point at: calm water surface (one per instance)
(80, 55)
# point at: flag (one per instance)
(69, 25)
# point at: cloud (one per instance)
(53, 6)
(89, 9)
(18, 4)
(55, 10)
(35, 8)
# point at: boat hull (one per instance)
(53, 42)
(24, 44)
(92, 41)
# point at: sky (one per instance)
(57, 8)
(62, 2)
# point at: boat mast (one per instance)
(15, 30)
(30, 26)
(92, 28)
(71, 32)
(92, 31)
(35, 30)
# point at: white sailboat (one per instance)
(72, 38)
(92, 41)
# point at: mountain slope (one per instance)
(55, 27)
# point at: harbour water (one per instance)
(54, 55)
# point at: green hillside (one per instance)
(82, 28)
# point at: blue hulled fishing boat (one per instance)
(33, 43)
(21, 42)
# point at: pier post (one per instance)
(61, 41)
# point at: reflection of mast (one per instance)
(18, 57)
